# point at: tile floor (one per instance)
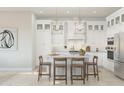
(107, 78)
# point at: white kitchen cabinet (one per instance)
(43, 39)
(43, 25)
(116, 27)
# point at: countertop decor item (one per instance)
(88, 48)
(82, 52)
(97, 49)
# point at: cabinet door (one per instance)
(39, 26)
(47, 27)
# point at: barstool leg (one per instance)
(94, 70)
(54, 75)
(66, 74)
(71, 76)
(39, 74)
(81, 72)
(49, 72)
(97, 72)
(84, 70)
(87, 71)
(84, 74)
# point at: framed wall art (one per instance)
(8, 38)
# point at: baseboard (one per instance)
(16, 69)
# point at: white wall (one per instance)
(22, 58)
(33, 42)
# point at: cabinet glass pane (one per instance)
(47, 26)
(54, 27)
(117, 19)
(90, 27)
(108, 23)
(112, 22)
(96, 27)
(39, 27)
(101, 27)
(60, 27)
(122, 18)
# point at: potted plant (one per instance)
(82, 52)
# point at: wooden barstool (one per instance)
(60, 63)
(78, 65)
(94, 64)
(41, 64)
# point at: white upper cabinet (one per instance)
(96, 26)
(115, 22)
(43, 25)
(71, 33)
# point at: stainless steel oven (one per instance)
(110, 48)
(110, 55)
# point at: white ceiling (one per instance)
(65, 12)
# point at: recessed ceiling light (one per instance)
(41, 12)
(94, 12)
(68, 12)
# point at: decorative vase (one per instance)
(82, 53)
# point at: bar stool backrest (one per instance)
(95, 59)
(60, 60)
(40, 60)
(77, 60)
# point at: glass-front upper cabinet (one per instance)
(39, 26)
(96, 27)
(117, 20)
(112, 22)
(43, 27)
(122, 18)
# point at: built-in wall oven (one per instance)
(110, 55)
(110, 48)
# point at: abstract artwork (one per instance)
(8, 39)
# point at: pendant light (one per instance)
(79, 19)
(79, 26)
(58, 25)
(56, 16)
(55, 22)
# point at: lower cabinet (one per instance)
(101, 57)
